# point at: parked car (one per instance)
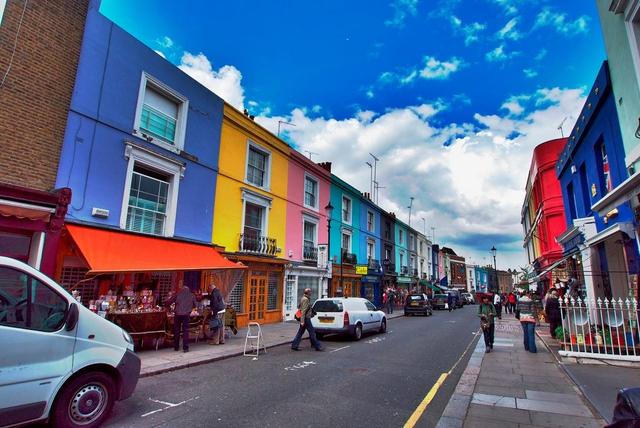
(417, 304)
(347, 315)
(65, 363)
(439, 301)
(468, 297)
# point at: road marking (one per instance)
(425, 402)
(301, 365)
(167, 404)
(376, 340)
(340, 349)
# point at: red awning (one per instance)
(109, 251)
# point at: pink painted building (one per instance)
(308, 193)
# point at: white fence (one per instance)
(606, 329)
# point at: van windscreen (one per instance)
(328, 306)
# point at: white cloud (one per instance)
(559, 22)
(468, 179)
(541, 54)
(165, 42)
(530, 72)
(470, 32)
(509, 31)
(499, 54)
(509, 6)
(433, 69)
(225, 82)
(401, 10)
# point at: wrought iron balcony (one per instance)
(310, 253)
(374, 264)
(389, 267)
(404, 270)
(255, 244)
(349, 258)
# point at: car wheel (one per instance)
(383, 326)
(357, 332)
(86, 401)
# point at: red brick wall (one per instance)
(35, 97)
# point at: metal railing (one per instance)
(258, 245)
(388, 267)
(404, 270)
(310, 253)
(374, 264)
(349, 258)
(602, 328)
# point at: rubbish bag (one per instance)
(626, 413)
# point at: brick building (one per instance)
(39, 50)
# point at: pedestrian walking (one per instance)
(184, 301)
(526, 312)
(552, 311)
(450, 301)
(390, 300)
(497, 302)
(216, 322)
(487, 314)
(511, 298)
(306, 313)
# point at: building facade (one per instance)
(542, 215)
(32, 206)
(371, 249)
(308, 192)
(403, 259)
(388, 250)
(600, 251)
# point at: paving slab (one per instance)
(543, 419)
(503, 414)
(477, 422)
(553, 396)
(551, 407)
(494, 400)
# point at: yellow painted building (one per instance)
(250, 214)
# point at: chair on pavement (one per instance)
(254, 340)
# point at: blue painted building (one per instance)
(403, 256)
(141, 145)
(599, 250)
(482, 279)
(371, 249)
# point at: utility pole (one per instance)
(284, 123)
(424, 226)
(433, 234)
(310, 153)
(410, 206)
(377, 187)
(375, 171)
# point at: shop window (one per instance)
(258, 161)
(15, 246)
(236, 299)
(148, 197)
(289, 303)
(165, 284)
(70, 279)
(27, 303)
(161, 114)
(308, 282)
(310, 193)
(346, 210)
(272, 291)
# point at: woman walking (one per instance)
(526, 312)
(487, 313)
(552, 311)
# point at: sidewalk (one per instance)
(166, 359)
(599, 380)
(511, 387)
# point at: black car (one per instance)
(439, 301)
(417, 304)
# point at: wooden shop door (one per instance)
(257, 295)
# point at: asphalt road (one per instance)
(376, 382)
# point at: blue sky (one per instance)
(451, 95)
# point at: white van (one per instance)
(349, 315)
(58, 360)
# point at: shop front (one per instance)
(345, 281)
(299, 277)
(31, 224)
(127, 278)
(371, 283)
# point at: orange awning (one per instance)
(109, 251)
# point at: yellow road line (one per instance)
(415, 417)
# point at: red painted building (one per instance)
(542, 215)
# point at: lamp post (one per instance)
(329, 210)
(495, 269)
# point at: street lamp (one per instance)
(329, 210)
(495, 269)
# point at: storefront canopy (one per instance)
(434, 287)
(548, 268)
(108, 251)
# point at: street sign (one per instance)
(362, 269)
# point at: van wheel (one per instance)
(86, 401)
(357, 333)
(383, 326)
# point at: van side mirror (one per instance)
(72, 317)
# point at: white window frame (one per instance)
(181, 120)
(373, 221)
(350, 233)
(371, 242)
(308, 176)
(350, 210)
(267, 179)
(633, 34)
(400, 236)
(315, 221)
(256, 199)
(174, 170)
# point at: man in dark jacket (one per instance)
(552, 311)
(184, 301)
(487, 313)
(216, 304)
